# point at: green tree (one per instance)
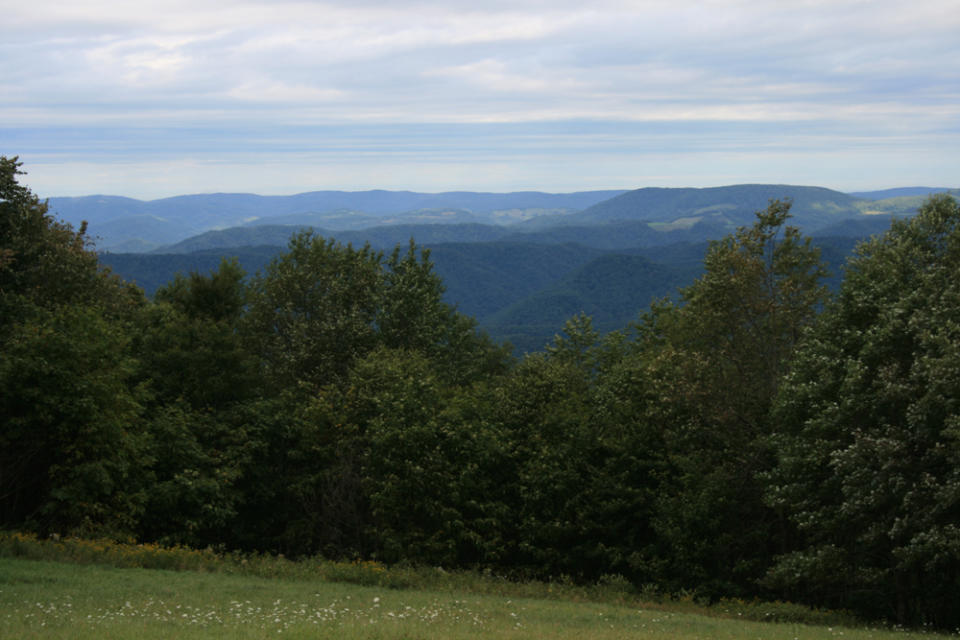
(412, 313)
(579, 475)
(429, 470)
(191, 348)
(203, 381)
(319, 314)
(577, 343)
(867, 425)
(394, 463)
(312, 313)
(72, 449)
(718, 357)
(413, 316)
(220, 296)
(45, 262)
(542, 407)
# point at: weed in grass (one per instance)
(87, 602)
(253, 595)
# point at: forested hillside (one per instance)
(754, 435)
(733, 205)
(125, 224)
(519, 292)
(610, 289)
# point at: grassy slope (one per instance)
(43, 599)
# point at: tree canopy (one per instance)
(867, 432)
(69, 442)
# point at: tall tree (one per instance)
(412, 312)
(868, 432)
(578, 475)
(203, 387)
(71, 441)
(718, 357)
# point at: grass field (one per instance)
(44, 599)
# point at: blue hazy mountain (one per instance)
(900, 192)
(730, 207)
(169, 220)
(126, 224)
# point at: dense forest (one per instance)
(753, 436)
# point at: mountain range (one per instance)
(126, 224)
(521, 263)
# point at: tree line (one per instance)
(756, 436)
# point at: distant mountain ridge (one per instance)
(127, 224)
(232, 206)
(729, 206)
(900, 192)
(385, 237)
(618, 235)
(170, 220)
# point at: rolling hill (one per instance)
(729, 206)
(180, 217)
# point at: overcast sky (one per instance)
(156, 98)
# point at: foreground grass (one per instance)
(44, 599)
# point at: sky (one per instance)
(153, 98)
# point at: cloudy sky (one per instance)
(155, 98)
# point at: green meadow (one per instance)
(49, 599)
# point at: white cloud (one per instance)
(823, 72)
(495, 75)
(269, 91)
